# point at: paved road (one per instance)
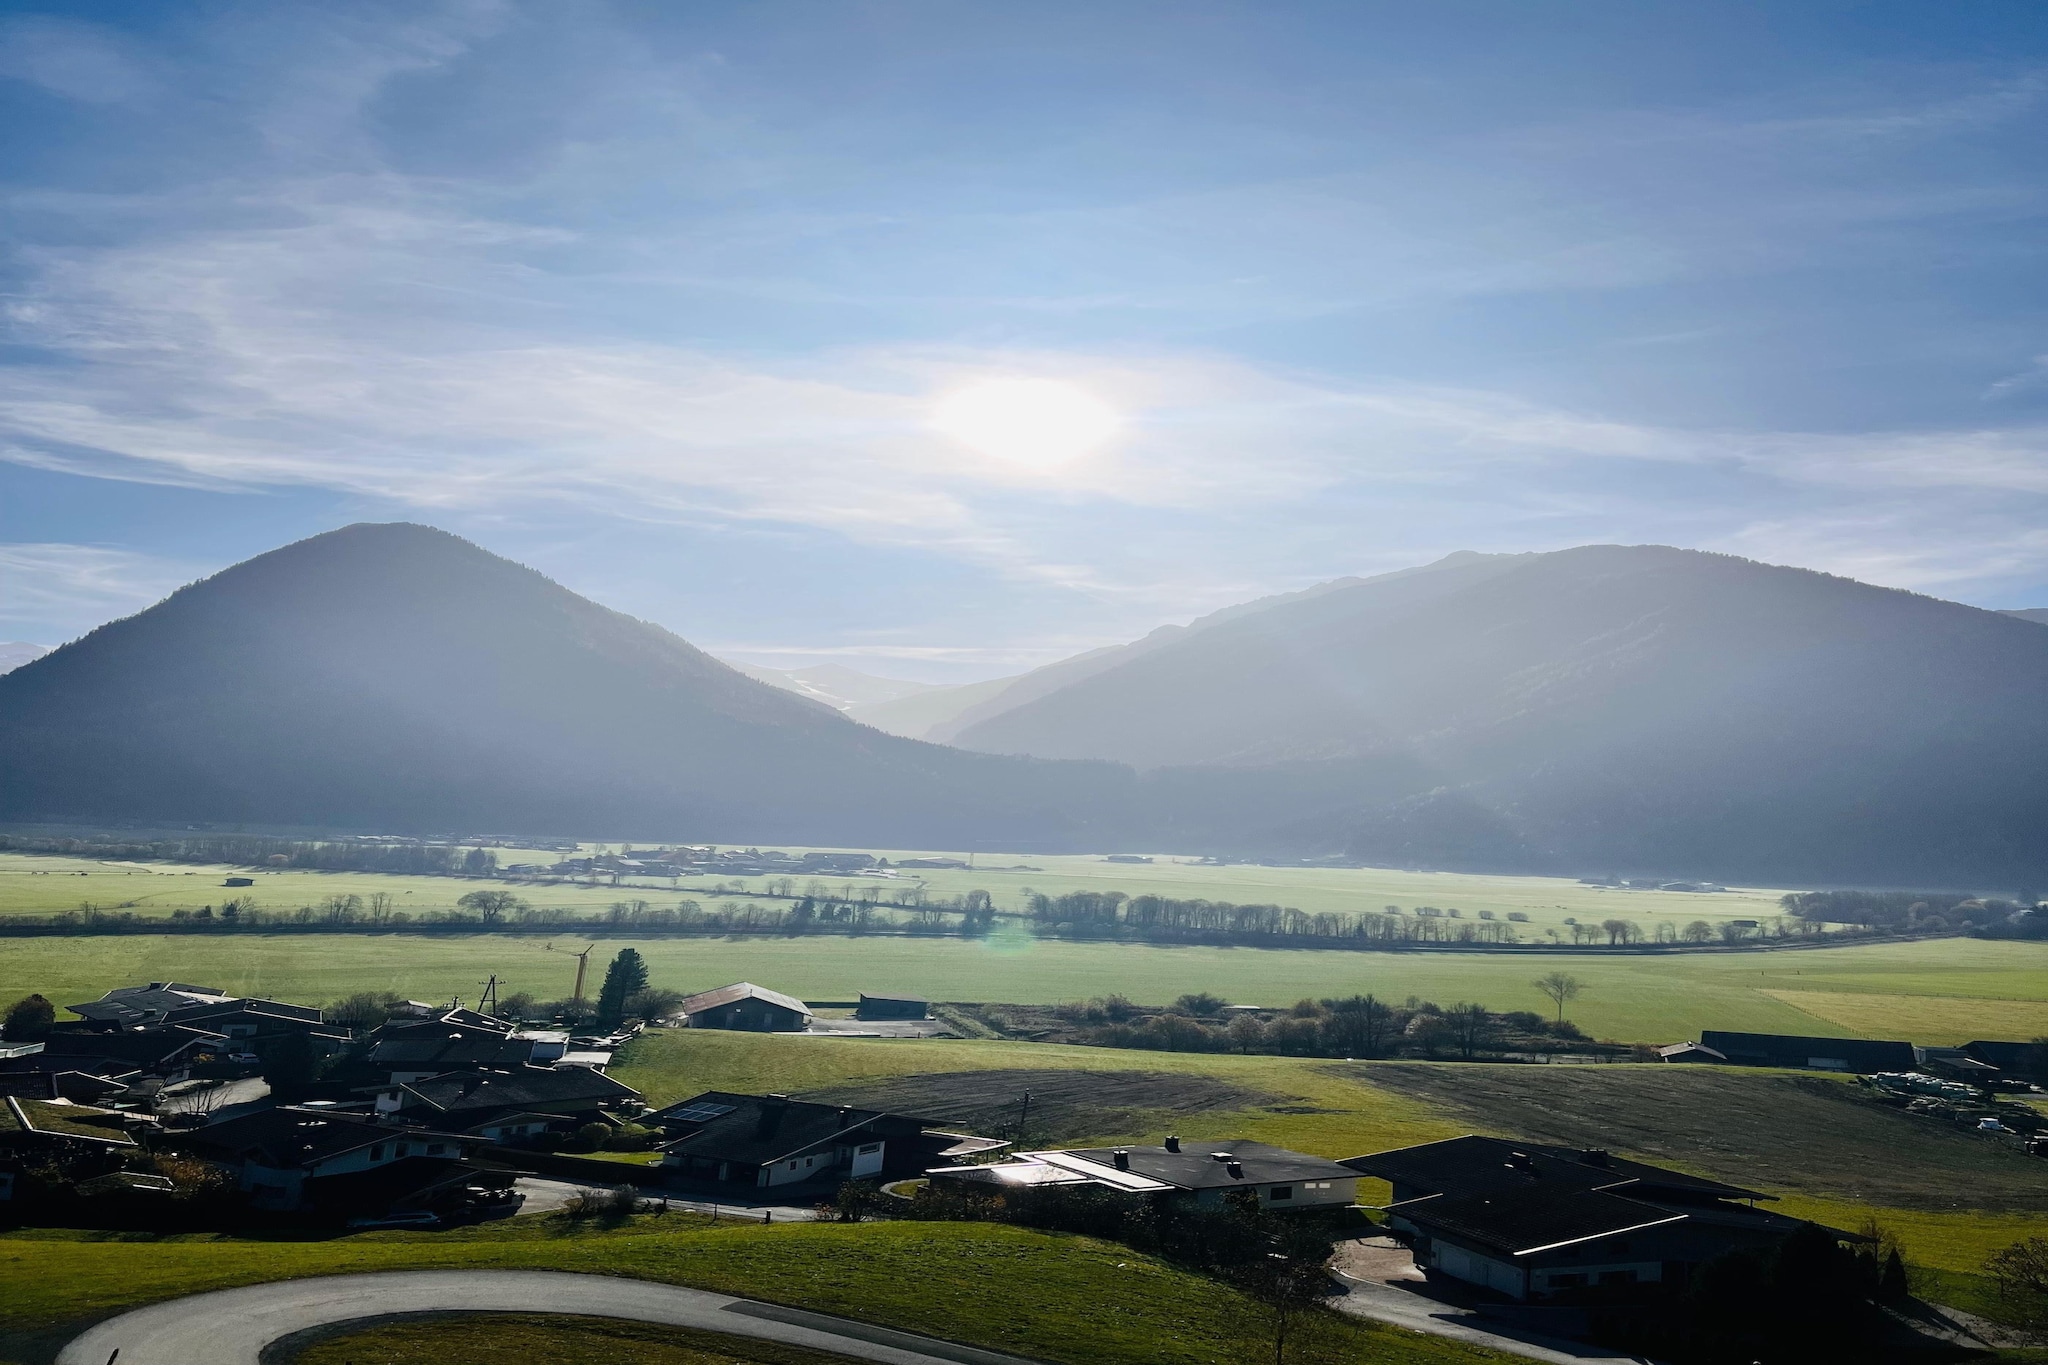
(233, 1326)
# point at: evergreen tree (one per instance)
(623, 979)
(29, 1020)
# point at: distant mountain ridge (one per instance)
(397, 678)
(836, 685)
(1606, 706)
(2039, 614)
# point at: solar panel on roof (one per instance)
(700, 1113)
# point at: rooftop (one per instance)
(738, 991)
(1480, 1165)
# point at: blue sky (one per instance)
(660, 299)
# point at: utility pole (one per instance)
(1023, 1117)
(488, 1002)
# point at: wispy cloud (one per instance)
(41, 583)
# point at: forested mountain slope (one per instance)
(395, 677)
(1595, 707)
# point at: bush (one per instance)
(615, 1202)
(29, 1020)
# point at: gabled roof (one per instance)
(1479, 1165)
(143, 1047)
(893, 996)
(738, 991)
(449, 1051)
(128, 1006)
(472, 1092)
(1523, 1222)
(1205, 1165)
(290, 1136)
(758, 1129)
(274, 1009)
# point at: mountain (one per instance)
(15, 653)
(2039, 614)
(923, 714)
(1606, 707)
(837, 686)
(397, 678)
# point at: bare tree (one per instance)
(1560, 987)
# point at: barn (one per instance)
(745, 1006)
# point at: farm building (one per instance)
(1690, 1052)
(773, 1140)
(1535, 1222)
(892, 1007)
(1202, 1171)
(2014, 1059)
(743, 1005)
(1861, 1055)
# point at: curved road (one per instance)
(233, 1326)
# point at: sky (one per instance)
(683, 304)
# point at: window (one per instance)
(1617, 1277)
(377, 1152)
(1281, 1192)
(870, 1149)
(792, 1165)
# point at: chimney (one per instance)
(1122, 1158)
(1235, 1168)
(1172, 1143)
(845, 1116)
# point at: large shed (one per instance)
(1861, 1055)
(745, 1006)
(892, 1007)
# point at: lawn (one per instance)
(1055, 1297)
(1947, 982)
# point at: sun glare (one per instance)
(1037, 424)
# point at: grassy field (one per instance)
(37, 884)
(1058, 1298)
(1949, 990)
(1952, 1199)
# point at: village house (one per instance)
(35, 1131)
(472, 1101)
(763, 1141)
(310, 1159)
(1203, 1172)
(1535, 1223)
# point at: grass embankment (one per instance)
(1951, 990)
(1058, 1298)
(546, 1339)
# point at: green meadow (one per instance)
(1946, 990)
(42, 885)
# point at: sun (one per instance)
(1034, 424)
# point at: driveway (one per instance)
(1384, 1285)
(233, 1326)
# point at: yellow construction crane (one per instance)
(582, 963)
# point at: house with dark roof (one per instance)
(320, 1160)
(1538, 1223)
(470, 1100)
(743, 1005)
(1864, 1056)
(36, 1132)
(127, 1007)
(772, 1140)
(1203, 1172)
